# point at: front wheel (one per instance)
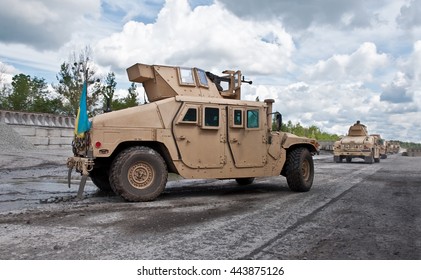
(369, 159)
(100, 178)
(138, 174)
(337, 159)
(300, 170)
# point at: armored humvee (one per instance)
(382, 145)
(357, 144)
(393, 147)
(196, 126)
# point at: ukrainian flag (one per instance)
(82, 123)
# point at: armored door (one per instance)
(247, 136)
(200, 135)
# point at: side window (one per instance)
(185, 76)
(191, 115)
(238, 117)
(253, 118)
(211, 117)
(203, 80)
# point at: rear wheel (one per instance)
(138, 174)
(300, 170)
(245, 181)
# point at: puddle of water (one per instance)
(21, 194)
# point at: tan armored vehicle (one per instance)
(393, 147)
(196, 126)
(382, 145)
(357, 144)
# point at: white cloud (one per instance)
(6, 73)
(358, 66)
(397, 90)
(132, 9)
(44, 24)
(410, 15)
(303, 14)
(207, 37)
(411, 65)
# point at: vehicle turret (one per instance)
(162, 82)
(357, 129)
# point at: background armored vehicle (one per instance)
(382, 145)
(357, 144)
(393, 147)
(196, 126)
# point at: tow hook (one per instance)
(82, 165)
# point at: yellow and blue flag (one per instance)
(82, 123)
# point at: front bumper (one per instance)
(352, 153)
(81, 164)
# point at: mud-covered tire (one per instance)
(300, 170)
(138, 174)
(337, 159)
(101, 179)
(244, 181)
(369, 159)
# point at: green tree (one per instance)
(310, 132)
(3, 94)
(4, 89)
(18, 99)
(30, 95)
(131, 99)
(71, 77)
(107, 91)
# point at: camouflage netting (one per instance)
(10, 140)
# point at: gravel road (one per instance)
(353, 211)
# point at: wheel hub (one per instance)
(305, 169)
(140, 175)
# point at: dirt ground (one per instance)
(354, 211)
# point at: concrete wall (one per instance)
(412, 152)
(43, 130)
(326, 145)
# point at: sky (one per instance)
(327, 63)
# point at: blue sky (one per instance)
(325, 62)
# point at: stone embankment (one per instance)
(23, 130)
